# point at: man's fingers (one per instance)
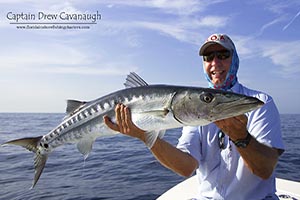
(123, 117)
(119, 117)
(128, 116)
(110, 124)
(242, 118)
(123, 120)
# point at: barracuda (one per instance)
(154, 108)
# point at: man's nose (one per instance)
(216, 62)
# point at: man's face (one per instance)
(217, 68)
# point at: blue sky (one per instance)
(158, 39)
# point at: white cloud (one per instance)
(292, 20)
(107, 69)
(175, 7)
(61, 59)
(275, 6)
(284, 11)
(271, 23)
(184, 29)
(168, 29)
(213, 21)
(285, 55)
(183, 26)
(46, 54)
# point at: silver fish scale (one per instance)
(154, 98)
(94, 109)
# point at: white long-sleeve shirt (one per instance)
(222, 173)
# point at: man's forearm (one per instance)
(259, 158)
(180, 162)
(168, 155)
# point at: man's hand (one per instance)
(124, 123)
(235, 127)
(259, 158)
(168, 155)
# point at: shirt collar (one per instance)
(236, 88)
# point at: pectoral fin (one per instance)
(152, 136)
(85, 146)
(156, 113)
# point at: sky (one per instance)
(158, 39)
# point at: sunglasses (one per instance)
(221, 55)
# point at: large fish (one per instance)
(154, 108)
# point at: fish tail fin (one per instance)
(39, 164)
(28, 143)
(31, 144)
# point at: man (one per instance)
(234, 158)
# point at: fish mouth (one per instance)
(246, 105)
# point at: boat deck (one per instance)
(187, 189)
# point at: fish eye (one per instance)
(206, 97)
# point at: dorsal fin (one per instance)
(73, 105)
(134, 80)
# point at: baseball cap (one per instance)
(220, 39)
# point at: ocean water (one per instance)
(118, 168)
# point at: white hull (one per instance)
(188, 189)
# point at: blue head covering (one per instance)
(231, 77)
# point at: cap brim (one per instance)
(207, 44)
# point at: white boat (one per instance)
(286, 190)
